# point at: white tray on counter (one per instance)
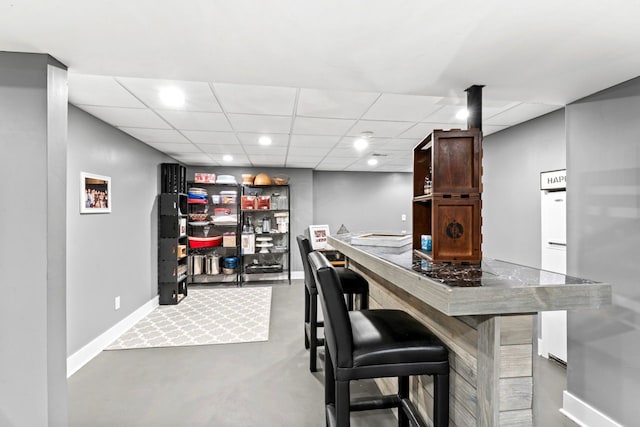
(382, 239)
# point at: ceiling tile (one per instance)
(238, 160)
(301, 164)
(460, 101)
(252, 99)
(447, 114)
(259, 150)
(313, 141)
(314, 126)
(193, 157)
(333, 165)
(99, 90)
(308, 151)
(198, 95)
(155, 135)
(127, 117)
(334, 103)
(260, 124)
(411, 108)
(250, 139)
(222, 149)
(174, 148)
(520, 113)
(379, 128)
(189, 120)
(264, 160)
(422, 130)
(208, 137)
(346, 152)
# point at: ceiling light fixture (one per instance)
(462, 114)
(264, 140)
(227, 158)
(362, 142)
(372, 162)
(171, 97)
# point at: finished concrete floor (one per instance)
(251, 384)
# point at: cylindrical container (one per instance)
(231, 262)
(425, 242)
(196, 264)
(212, 264)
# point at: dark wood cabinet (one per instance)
(447, 187)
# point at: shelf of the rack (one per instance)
(264, 210)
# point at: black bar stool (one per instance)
(352, 284)
(374, 344)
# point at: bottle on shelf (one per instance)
(428, 183)
(248, 237)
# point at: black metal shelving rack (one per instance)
(204, 278)
(255, 267)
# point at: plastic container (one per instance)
(204, 242)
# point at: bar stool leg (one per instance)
(306, 317)
(342, 404)
(441, 400)
(364, 300)
(329, 379)
(403, 393)
(313, 338)
(349, 302)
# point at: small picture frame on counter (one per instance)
(318, 236)
(95, 193)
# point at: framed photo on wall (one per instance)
(318, 237)
(95, 193)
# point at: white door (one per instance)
(553, 324)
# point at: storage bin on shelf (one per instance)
(204, 242)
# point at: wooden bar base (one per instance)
(490, 357)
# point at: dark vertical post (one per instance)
(474, 106)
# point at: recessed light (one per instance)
(360, 144)
(372, 162)
(172, 96)
(264, 140)
(462, 114)
(227, 158)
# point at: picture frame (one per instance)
(318, 237)
(95, 193)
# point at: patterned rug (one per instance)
(205, 316)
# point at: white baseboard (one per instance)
(583, 414)
(81, 357)
(297, 275)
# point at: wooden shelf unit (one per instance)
(452, 212)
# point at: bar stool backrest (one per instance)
(337, 325)
(305, 248)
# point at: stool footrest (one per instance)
(377, 402)
(412, 413)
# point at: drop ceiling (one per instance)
(316, 75)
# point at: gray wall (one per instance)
(33, 123)
(512, 162)
(111, 254)
(363, 201)
(603, 210)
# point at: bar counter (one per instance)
(484, 314)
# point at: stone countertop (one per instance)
(494, 287)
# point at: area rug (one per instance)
(205, 316)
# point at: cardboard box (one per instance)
(229, 240)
